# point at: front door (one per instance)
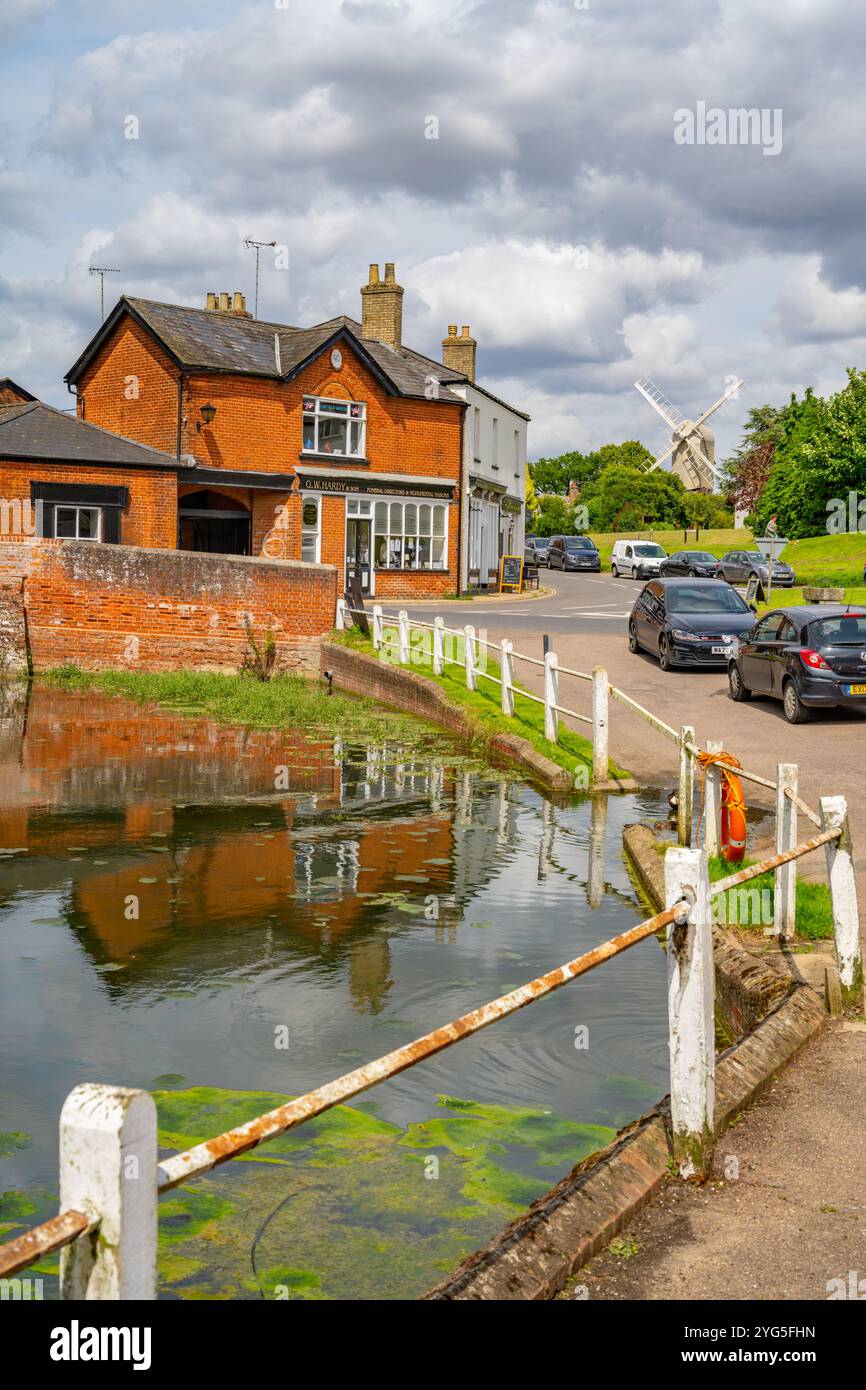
(359, 551)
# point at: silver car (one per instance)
(739, 566)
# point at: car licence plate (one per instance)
(855, 689)
(722, 651)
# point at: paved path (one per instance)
(587, 620)
(789, 1217)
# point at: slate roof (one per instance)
(37, 431)
(214, 341)
(7, 384)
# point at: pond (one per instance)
(230, 917)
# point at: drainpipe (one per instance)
(460, 488)
(179, 411)
(73, 391)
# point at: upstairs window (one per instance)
(334, 427)
(78, 523)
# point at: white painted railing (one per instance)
(110, 1178)
(784, 786)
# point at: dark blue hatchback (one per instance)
(810, 657)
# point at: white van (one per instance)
(638, 559)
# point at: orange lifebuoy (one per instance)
(733, 830)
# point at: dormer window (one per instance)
(334, 426)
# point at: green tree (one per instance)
(555, 475)
(820, 456)
(555, 516)
(531, 501)
(628, 499)
(748, 469)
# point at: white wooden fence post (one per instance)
(686, 792)
(342, 614)
(785, 897)
(843, 890)
(438, 646)
(713, 802)
(108, 1169)
(403, 637)
(551, 697)
(600, 772)
(506, 663)
(469, 656)
(377, 626)
(691, 1012)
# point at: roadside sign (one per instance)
(355, 600)
(511, 573)
(755, 591)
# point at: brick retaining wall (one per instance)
(104, 606)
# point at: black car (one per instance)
(689, 622)
(810, 657)
(695, 563)
(739, 566)
(573, 553)
(535, 550)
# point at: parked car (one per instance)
(639, 559)
(810, 657)
(535, 550)
(695, 563)
(573, 553)
(689, 622)
(739, 566)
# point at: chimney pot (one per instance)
(239, 304)
(211, 301)
(458, 354)
(224, 301)
(382, 307)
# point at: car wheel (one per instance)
(693, 574)
(633, 643)
(614, 571)
(737, 690)
(665, 658)
(795, 711)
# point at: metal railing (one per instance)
(110, 1177)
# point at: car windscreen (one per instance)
(541, 542)
(701, 598)
(701, 557)
(843, 629)
(654, 551)
(578, 543)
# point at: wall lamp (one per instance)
(207, 413)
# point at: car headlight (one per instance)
(681, 636)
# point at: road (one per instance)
(587, 620)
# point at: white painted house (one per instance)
(494, 469)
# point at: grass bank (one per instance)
(785, 598)
(716, 542)
(282, 702)
(836, 560)
(814, 905)
(573, 752)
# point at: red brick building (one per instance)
(334, 443)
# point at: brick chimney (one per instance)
(224, 303)
(459, 353)
(382, 307)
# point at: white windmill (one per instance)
(693, 443)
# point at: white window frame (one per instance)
(355, 414)
(416, 535)
(308, 530)
(78, 508)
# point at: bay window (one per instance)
(411, 535)
(334, 427)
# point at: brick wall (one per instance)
(157, 610)
(149, 520)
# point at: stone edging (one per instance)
(537, 1253)
(416, 694)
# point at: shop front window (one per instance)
(310, 530)
(411, 535)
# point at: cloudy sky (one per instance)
(559, 212)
